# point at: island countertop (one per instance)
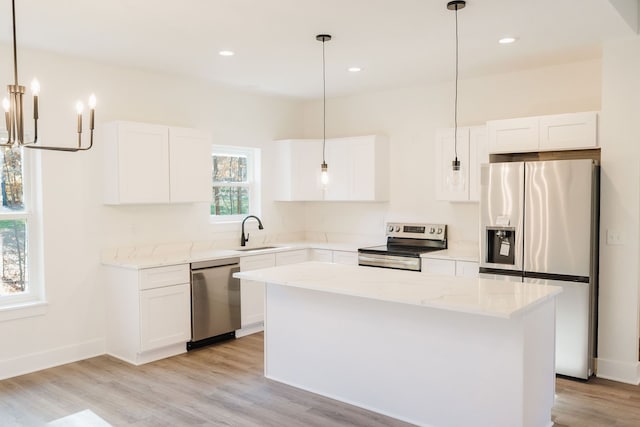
(479, 296)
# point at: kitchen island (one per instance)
(430, 350)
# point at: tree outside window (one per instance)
(233, 182)
(13, 225)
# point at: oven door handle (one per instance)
(413, 264)
(395, 260)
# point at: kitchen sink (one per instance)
(258, 248)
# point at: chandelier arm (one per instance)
(53, 148)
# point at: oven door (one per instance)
(399, 262)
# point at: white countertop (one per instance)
(475, 296)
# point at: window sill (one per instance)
(23, 310)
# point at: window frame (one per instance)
(32, 301)
(252, 184)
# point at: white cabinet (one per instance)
(146, 163)
(291, 257)
(345, 257)
(443, 267)
(358, 169)
(450, 267)
(472, 152)
(467, 268)
(321, 255)
(148, 312)
(543, 133)
(568, 131)
(298, 169)
(251, 292)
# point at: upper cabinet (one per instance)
(147, 163)
(358, 169)
(543, 133)
(472, 152)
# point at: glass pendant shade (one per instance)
(456, 177)
(324, 176)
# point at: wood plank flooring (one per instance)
(223, 385)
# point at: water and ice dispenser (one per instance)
(501, 245)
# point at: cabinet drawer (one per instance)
(344, 257)
(467, 268)
(159, 277)
(441, 267)
(292, 257)
(322, 255)
(256, 262)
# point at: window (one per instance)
(14, 220)
(235, 177)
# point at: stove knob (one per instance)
(391, 229)
(397, 228)
(439, 230)
(432, 230)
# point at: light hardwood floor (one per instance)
(223, 385)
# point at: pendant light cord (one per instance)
(455, 109)
(324, 106)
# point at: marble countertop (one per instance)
(467, 295)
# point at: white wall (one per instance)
(77, 226)
(410, 118)
(620, 212)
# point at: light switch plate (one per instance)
(614, 237)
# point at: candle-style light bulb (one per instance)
(92, 106)
(35, 87)
(79, 108)
(6, 105)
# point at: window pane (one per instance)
(13, 238)
(230, 201)
(11, 184)
(229, 168)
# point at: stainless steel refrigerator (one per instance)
(539, 224)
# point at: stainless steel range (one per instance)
(405, 244)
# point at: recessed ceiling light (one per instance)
(226, 53)
(354, 69)
(507, 40)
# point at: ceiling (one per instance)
(397, 43)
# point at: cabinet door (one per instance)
(445, 153)
(340, 161)
(467, 269)
(568, 131)
(189, 165)
(251, 292)
(345, 257)
(142, 163)
(306, 158)
(513, 135)
(165, 316)
(442, 267)
(478, 154)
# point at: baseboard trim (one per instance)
(615, 370)
(33, 362)
(250, 329)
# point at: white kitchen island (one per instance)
(430, 350)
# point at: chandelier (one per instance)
(14, 110)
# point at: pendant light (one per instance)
(324, 169)
(14, 111)
(456, 177)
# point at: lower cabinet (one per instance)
(321, 255)
(450, 267)
(345, 257)
(148, 312)
(252, 294)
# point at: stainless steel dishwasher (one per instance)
(215, 301)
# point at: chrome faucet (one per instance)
(243, 239)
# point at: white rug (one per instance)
(84, 418)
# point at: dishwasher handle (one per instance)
(214, 263)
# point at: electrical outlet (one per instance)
(614, 237)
